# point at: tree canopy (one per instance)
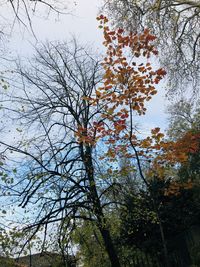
(78, 165)
(176, 25)
(72, 102)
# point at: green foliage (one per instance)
(195, 254)
(140, 224)
(90, 244)
(184, 117)
(6, 262)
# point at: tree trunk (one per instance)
(98, 212)
(109, 247)
(163, 242)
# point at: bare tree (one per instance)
(176, 23)
(59, 171)
(22, 11)
(184, 116)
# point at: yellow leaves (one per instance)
(98, 94)
(110, 153)
(160, 136)
(146, 143)
(156, 135)
(110, 111)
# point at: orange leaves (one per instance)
(167, 155)
(98, 94)
(161, 72)
(175, 187)
(157, 135)
(127, 85)
(155, 131)
(146, 143)
(153, 143)
(84, 136)
(119, 125)
(90, 135)
(111, 153)
(179, 151)
(124, 82)
(191, 142)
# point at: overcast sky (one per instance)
(81, 23)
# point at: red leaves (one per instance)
(124, 116)
(155, 131)
(125, 82)
(120, 31)
(126, 86)
(120, 125)
(161, 72)
(150, 37)
(102, 19)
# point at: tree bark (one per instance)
(98, 212)
(166, 255)
(109, 247)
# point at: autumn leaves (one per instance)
(129, 81)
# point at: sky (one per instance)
(80, 21)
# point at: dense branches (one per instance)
(75, 113)
(59, 173)
(176, 25)
(184, 116)
(22, 11)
